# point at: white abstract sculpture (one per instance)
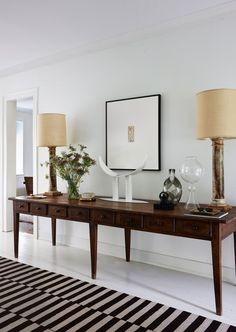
(128, 181)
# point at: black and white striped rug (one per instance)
(32, 299)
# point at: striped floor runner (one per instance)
(32, 299)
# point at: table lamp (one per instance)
(51, 132)
(216, 119)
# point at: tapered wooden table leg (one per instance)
(93, 229)
(127, 243)
(54, 230)
(216, 244)
(16, 233)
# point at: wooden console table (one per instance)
(136, 216)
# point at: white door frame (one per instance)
(8, 166)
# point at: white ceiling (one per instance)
(34, 32)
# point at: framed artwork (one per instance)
(133, 133)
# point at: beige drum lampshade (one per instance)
(216, 113)
(51, 129)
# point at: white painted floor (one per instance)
(180, 290)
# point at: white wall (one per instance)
(177, 64)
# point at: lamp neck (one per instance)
(218, 171)
(52, 171)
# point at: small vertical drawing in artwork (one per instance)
(130, 134)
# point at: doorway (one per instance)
(24, 154)
(8, 154)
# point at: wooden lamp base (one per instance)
(218, 200)
(52, 175)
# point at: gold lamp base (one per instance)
(53, 193)
(221, 207)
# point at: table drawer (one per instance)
(104, 217)
(129, 220)
(38, 209)
(57, 211)
(159, 224)
(79, 214)
(22, 206)
(193, 227)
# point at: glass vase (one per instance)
(173, 187)
(73, 190)
(191, 172)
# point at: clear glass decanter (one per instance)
(191, 172)
(173, 187)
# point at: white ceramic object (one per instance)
(128, 182)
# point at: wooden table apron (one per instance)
(136, 216)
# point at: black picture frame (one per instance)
(133, 131)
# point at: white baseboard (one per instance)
(147, 257)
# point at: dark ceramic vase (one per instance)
(173, 187)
